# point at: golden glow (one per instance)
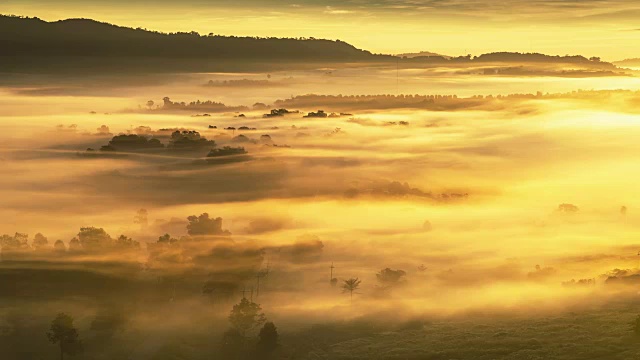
(589, 29)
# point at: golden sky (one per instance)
(606, 28)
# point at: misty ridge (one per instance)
(340, 103)
(32, 44)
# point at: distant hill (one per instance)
(83, 37)
(635, 62)
(35, 43)
(422, 54)
(77, 45)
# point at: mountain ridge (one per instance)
(33, 44)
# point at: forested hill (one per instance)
(32, 44)
(82, 37)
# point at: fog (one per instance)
(488, 206)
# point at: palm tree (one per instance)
(350, 286)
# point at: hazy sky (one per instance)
(606, 28)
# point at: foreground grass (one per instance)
(602, 333)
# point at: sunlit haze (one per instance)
(226, 180)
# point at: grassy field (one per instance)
(597, 333)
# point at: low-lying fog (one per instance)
(522, 204)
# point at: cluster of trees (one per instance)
(94, 239)
(318, 114)
(131, 142)
(227, 151)
(250, 335)
(89, 239)
(203, 225)
(239, 83)
(208, 105)
(179, 140)
(534, 71)
(363, 102)
(387, 278)
(511, 57)
(239, 342)
(189, 140)
(398, 189)
(437, 102)
(278, 112)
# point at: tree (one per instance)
(39, 241)
(245, 316)
(150, 104)
(141, 218)
(268, 340)
(126, 242)
(350, 286)
(389, 277)
(63, 333)
(59, 246)
(74, 245)
(93, 238)
(8, 242)
(203, 225)
(22, 240)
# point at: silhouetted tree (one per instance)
(246, 316)
(74, 245)
(227, 151)
(39, 241)
(132, 142)
(389, 277)
(126, 242)
(167, 240)
(350, 286)
(141, 218)
(268, 341)
(22, 240)
(189, 140)
(65, 335)
(93, 238)
(59, 246)
(8, 242)
(203, 225)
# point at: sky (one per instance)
(606, 28)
